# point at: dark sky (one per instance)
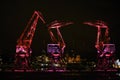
(15, 15)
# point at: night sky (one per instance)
(79, 37)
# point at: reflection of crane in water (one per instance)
(23, 49)
(103, 46)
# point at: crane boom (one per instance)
(99, 24)
(23, 49)
(27, 35)
(57, 24)
(105, 50)
(100, 43)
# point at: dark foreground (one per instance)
(73, 75)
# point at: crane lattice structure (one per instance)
(23, 47)
(104, 48)
(57, 41)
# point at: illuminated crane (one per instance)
(99, 40)
(103, 46)
(23, 49)
(57, 42)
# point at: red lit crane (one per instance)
(101, 39)
(58, 39)
(23, 49)
(103, 46)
